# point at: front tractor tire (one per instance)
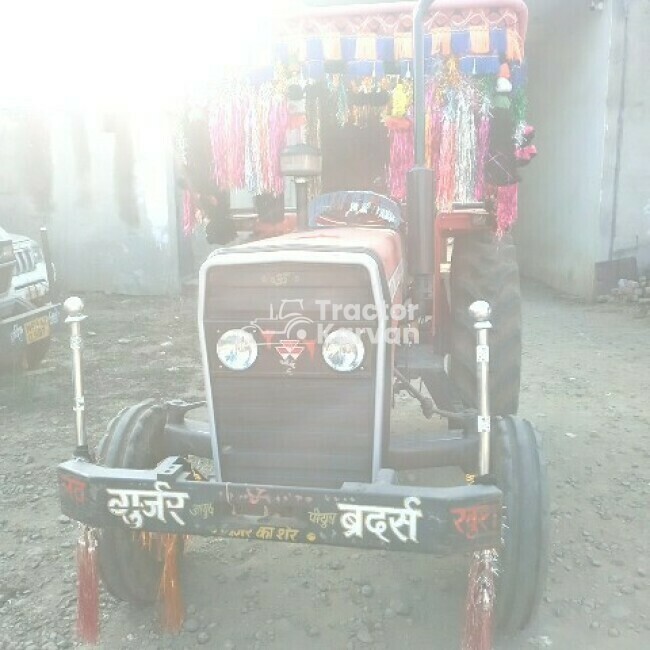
(485, 268)
(520, 473)
(130, 569)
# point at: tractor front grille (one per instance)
(309, 425)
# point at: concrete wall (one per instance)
(631, 231)
(560, 233)
(103, 185)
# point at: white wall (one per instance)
(632, 208)
(103, 236)
(563, 230)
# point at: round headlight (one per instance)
(343, 350)
(237, 349)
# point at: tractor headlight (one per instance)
(343, 350)
(237, 349)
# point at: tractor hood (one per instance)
(383, 244)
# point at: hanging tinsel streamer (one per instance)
(401, 155)
(170, 594)
(227, 135)
(313, 110)
(433, 126)
(507, 199)
(446, 187)
(87, 587)
(253, 164)
(483, 144)
(519, 113)
(342, 108)
(278, 124)
(264, 99)
(465, 146)
(479, 606)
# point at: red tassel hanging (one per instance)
(87, 587)
(506, 208)
(173, 612)
(479, 607)
(401, 155)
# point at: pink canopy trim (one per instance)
(405, 11)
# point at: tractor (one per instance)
(305, 338)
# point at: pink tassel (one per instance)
(479, 606)
(506, 208)
(278, 126)
(483, 149)
(446, 190)
(401, 156)
(189, 213)
(87, 588)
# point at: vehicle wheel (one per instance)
(521, 474)
(128, 570)
(485, 268)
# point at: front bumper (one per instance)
(29, 327)
(169, 499)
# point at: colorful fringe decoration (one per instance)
(87, 587)
(402, 157)
(507, 199)
(514, 46)
(446, 177)
(465, 148)
(366, 48)
(479, 612)
(332, 47)
(479, 40)
(482, 154)
(170, 594)
(434, 126)
(441, 42)
(248, 129)
(403, 47)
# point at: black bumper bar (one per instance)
(374, 516)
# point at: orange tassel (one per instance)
(332, 47)
(479, 610)
(403, 47)
(515, 49)
(366, 48)
(441, 42)
(87, 588)
(173, 612)
(479, 40)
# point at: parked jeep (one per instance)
(27, 313)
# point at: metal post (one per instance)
(302, 203)
(418, 79)
(480, 312)
(74, 308)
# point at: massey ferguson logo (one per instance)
(290, 352)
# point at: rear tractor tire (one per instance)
(485, 268)
(520, 473)
(130, 568)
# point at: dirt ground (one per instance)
(586, 386)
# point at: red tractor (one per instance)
(305, 339)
